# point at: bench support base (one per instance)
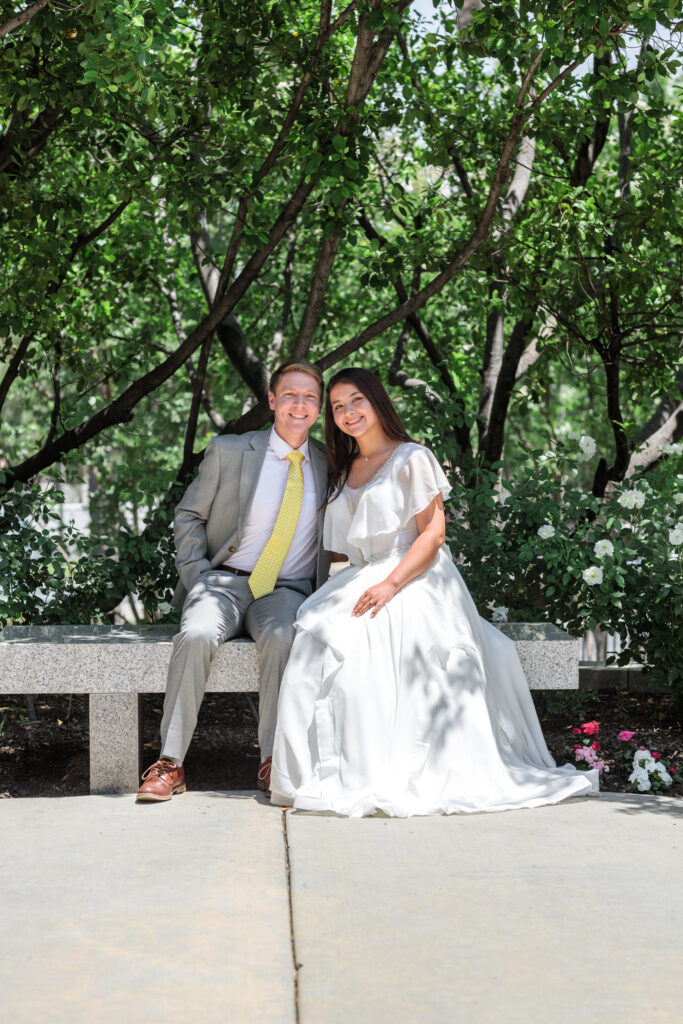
(115, 742)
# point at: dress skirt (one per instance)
(423, 709)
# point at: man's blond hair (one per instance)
(303, 366)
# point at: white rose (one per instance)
(678, 497)
(499, 614)
(676, 535)
(592, 575)
(632, 499)
(546, 531)
(671, 449)
(603, 547)
(663, 773)
(587, 446)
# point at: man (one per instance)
(248, 534)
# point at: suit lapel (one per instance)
(319, 467)
(252, 462)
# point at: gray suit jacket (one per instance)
(210, 517)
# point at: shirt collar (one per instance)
(282, 449)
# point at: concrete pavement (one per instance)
(199, 909)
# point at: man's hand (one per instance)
(374, 598)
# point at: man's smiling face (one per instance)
(296, 403)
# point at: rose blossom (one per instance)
(626, 735)
(546, 531)
(676, 535)
(603, 547)
(592, 575)
(590, 728)
(632, 499)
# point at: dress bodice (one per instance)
(377, 519)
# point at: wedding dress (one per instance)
(423, 709)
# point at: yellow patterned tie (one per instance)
(267, 569)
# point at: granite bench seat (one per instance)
(115, 665)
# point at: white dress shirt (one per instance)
(301, 558)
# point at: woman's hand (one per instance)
(375, 598)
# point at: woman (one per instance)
(398, 698)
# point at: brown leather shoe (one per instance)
(162, 780)
(263, 777)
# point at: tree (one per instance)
(189, 195)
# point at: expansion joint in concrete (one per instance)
(295, 961)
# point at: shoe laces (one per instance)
(161, 767)
(264, 770)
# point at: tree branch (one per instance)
(13, 367)
(316, 294)
(20, 19)
(37, 134)
(491, 445)
(668, 433)
(495, 320)
(396, 375)
(121, 409)
(171, 296)
(590, 147)
(57, 391)
(475, 241)
(230, 334)
(287, 291)
(325, 31)
(79, 242)
(193, 417)
(418, 325)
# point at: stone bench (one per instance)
(115, 665)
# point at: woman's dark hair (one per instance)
(342, 449)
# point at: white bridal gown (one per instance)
(423, 709)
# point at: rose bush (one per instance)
(533, 548)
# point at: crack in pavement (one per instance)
(295, 962)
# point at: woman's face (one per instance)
(352, 411)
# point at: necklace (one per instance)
(380, 451)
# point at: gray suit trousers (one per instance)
(219, 606)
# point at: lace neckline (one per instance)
(361, 487)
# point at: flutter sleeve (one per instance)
(421, 479)
(384, 515)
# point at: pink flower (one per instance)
(625, 735)
(576, 732)
(672, 769)
(591, 728)
(656, 756)
(595, 746)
